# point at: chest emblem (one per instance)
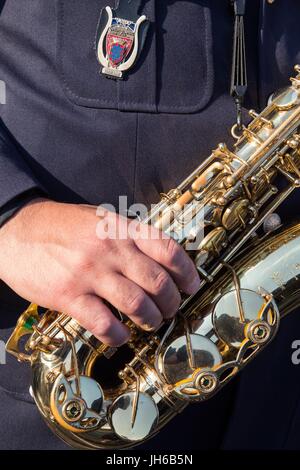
(120, 42)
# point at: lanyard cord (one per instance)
(128, 9)
(239, 83)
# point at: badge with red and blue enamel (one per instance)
(120, 38)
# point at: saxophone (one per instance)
(97, 397)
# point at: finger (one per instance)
(154, 280)
(93, 315)
(171, 255)
(130, 299)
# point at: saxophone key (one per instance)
(146, 416)
(214, 242)
(176, 359)
(227, 319)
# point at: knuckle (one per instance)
(161, 282)
(103, 325)
(173, 252)
(135, 302)
(65, 288)
(107, 244)
(176, 299)
(84, 261)
(175, 306)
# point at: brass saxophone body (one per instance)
(98, 397)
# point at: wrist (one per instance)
(12, 207)
(21, 218)
(15, 229)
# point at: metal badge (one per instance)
(120, 42)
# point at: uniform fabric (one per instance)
(82, 138)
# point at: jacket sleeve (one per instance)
(18, 184)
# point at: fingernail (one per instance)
(150, 328)
(123, 338)
(121, 342)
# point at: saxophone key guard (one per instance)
(77, 412)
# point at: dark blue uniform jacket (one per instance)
(82, 138)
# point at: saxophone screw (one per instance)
(259, 332)
(206, 382)
(51, 376)
(221, 201)
(168, 389)
(293, 143)
(73, 410)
